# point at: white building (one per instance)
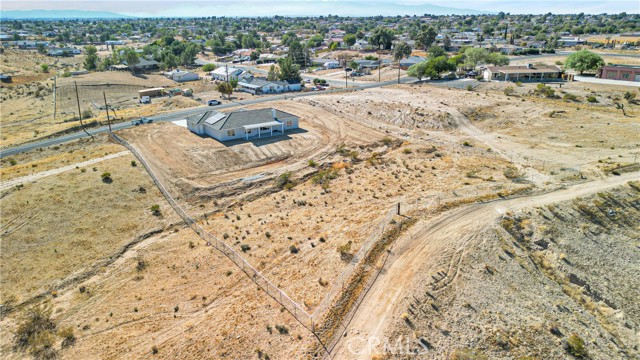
(248, 124)
(181, 75)
(224, 73)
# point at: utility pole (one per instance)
(106, 108)
(398, 71)
(80, 112)
(379, 68)
(226, 69)
(54, 97)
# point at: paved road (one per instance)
(181, 114)
(565, 53)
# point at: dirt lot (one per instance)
(424, 147)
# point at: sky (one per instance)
(195, 8)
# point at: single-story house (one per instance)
(181, 75)
(243, 124)
(411, 60)
(523, 73)
(366, 64)
(570, 41)
(144, 65)
(332, 64)
(269, 57)
(63, 51)
(224, 73)
(620, 72)
(258, 86)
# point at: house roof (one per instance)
(223, 70)
(238, 119)
(143, 62)
(622, 66)
(524, 69)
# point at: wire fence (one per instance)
(278, 295)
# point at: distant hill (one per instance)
(60, 14)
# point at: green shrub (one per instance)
(245, 247)
(592, 99)
(155, 209)
(569, 97)
(509, 90)
(284, 181)
(106, 177)
(208, 67)
(293, 249)
(312, 163)
(35, 330)
(575, 346)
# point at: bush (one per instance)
(283, 181)
(208, 67)
(312, 163)
(13, 162)
(569, 97)
(87, 114)
(68, 337)
(509, 90)
(469, 87)
(545, 91)
(245, 247)
(575, 346)
(283, 330)
(106, 177)
(133, 163)
(44, 67)
(155, 210)
(35, 330)
(511, 172)
(592, 99)
(293, 249)
(66, 74)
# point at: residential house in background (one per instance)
(224, 73)
(243, 124)
(411, 60)
(259, 86)
(529, 73)
(620, 72)
(182, 75)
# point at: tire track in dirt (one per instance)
(418, 254)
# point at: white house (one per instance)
(529, 73)
(333, 64)
(263, 86)
(243, 124)
(224, 73)
(181, 75)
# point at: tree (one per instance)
(382, 37)
(289, 71)
(418, 70)
(438, 65)
(474, 57)
(130, 57)
(497, 59)
(436, 51)
(91, 58)
(426, 37)
(225, 89)
(273, 73)
(349, 39)
(44, 67)
(401, 51)
(208, 67)
(584, 60)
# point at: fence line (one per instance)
(278, 295)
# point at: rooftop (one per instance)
(524, 69)
(238, 119)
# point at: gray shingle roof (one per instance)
(238, 119)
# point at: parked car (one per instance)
(213, 102)
(145, 100)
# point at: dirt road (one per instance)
(437, 244)
(33, 177)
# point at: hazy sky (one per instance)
(178, 8)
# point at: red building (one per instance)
(620, 72)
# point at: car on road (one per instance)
(213, 102)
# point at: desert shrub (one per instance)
(35, 331)
(284, 181)
(12, 162)
(86, 114)
(42, 346)
(468, 354)
(245, 247)
(282, 329)
(268, 235)
(67, 335)
(469, 87)
(519, 83)
(312, 163)
(509, 90)
(387, 141)
(293, 249)
(592, 99)
(545, 91)
(511, 172)
(324, 176)
(629, 96)
(575, 346)
(466, 143)
(106, 177)
(134, 163)
(569, 97)
(66, 74)
(345, 251)
(155, 209)
(44, 68)
(154, 350)
(141, 264)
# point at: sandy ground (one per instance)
(408, 144)
(444, 241)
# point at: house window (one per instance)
(231, 132)
(289, 123)
(625, 76)
(248, 131)
(264, 128)
(611, 75)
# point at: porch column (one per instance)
(282, 126)
(271, 128)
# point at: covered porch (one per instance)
(263, 129)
